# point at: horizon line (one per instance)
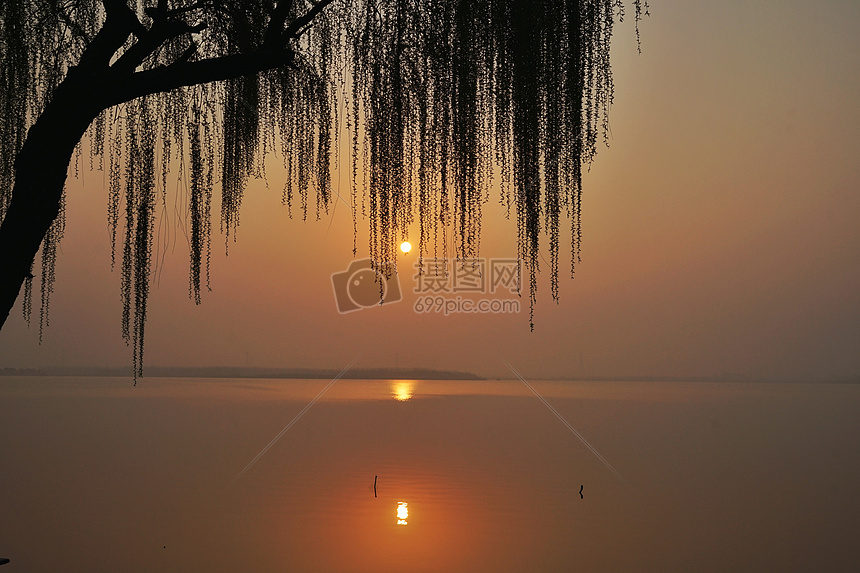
(449, 374)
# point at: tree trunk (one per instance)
(40, 175)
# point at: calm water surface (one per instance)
(470, 476)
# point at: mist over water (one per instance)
(470, 476)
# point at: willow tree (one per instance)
(443, 100)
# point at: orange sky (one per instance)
(720, 235)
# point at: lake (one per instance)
(402, 475)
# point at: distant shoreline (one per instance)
(377, 374)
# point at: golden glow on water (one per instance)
(402, 513)
(402, 389)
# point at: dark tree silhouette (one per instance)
(441, 97)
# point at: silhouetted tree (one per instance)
(441, 96)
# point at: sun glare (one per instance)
(405, 246)
(402, 513)
(402, 389)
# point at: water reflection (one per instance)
(488, 451)
(402, 513)
(402, 390)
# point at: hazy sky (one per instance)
(720, 235)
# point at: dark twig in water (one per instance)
(580, 492)
(374, 485)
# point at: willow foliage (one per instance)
(444, 100)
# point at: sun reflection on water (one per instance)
(402, 513)
(402, 389)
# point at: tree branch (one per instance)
(276, 35)
(160, 32)
(302, 21)
(276, 24)
(120, 10)
(72, 24)
(120, 22)
(186, 55)
(273, 54)
(184, 73)
(159, 13)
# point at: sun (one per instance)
(405, 246)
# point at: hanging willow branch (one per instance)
(444, 100)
